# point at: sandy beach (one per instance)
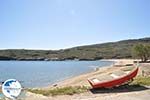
(82, 79)
(140, 93)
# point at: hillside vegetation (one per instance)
(120, 49)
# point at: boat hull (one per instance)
(115, 82)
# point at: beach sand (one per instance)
(82, 79)
(141, 93)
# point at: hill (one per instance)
(120, 49)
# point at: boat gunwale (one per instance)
(113, 80)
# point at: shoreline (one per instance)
(81, 80)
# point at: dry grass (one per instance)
(60, 91)
(140, 80)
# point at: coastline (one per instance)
(81, 80)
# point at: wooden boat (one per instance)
(114, 79)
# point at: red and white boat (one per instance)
(114, 79)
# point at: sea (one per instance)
(33, 74)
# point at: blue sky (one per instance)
(56, 24)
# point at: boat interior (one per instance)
(112, 75)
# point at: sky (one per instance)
(59, 24)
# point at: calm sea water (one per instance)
(44, 73)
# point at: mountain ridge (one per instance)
(109, 50)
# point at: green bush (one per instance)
(142, 51)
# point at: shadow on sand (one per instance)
(120, 89)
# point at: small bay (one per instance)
(43, 73)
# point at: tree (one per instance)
(142, 51)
